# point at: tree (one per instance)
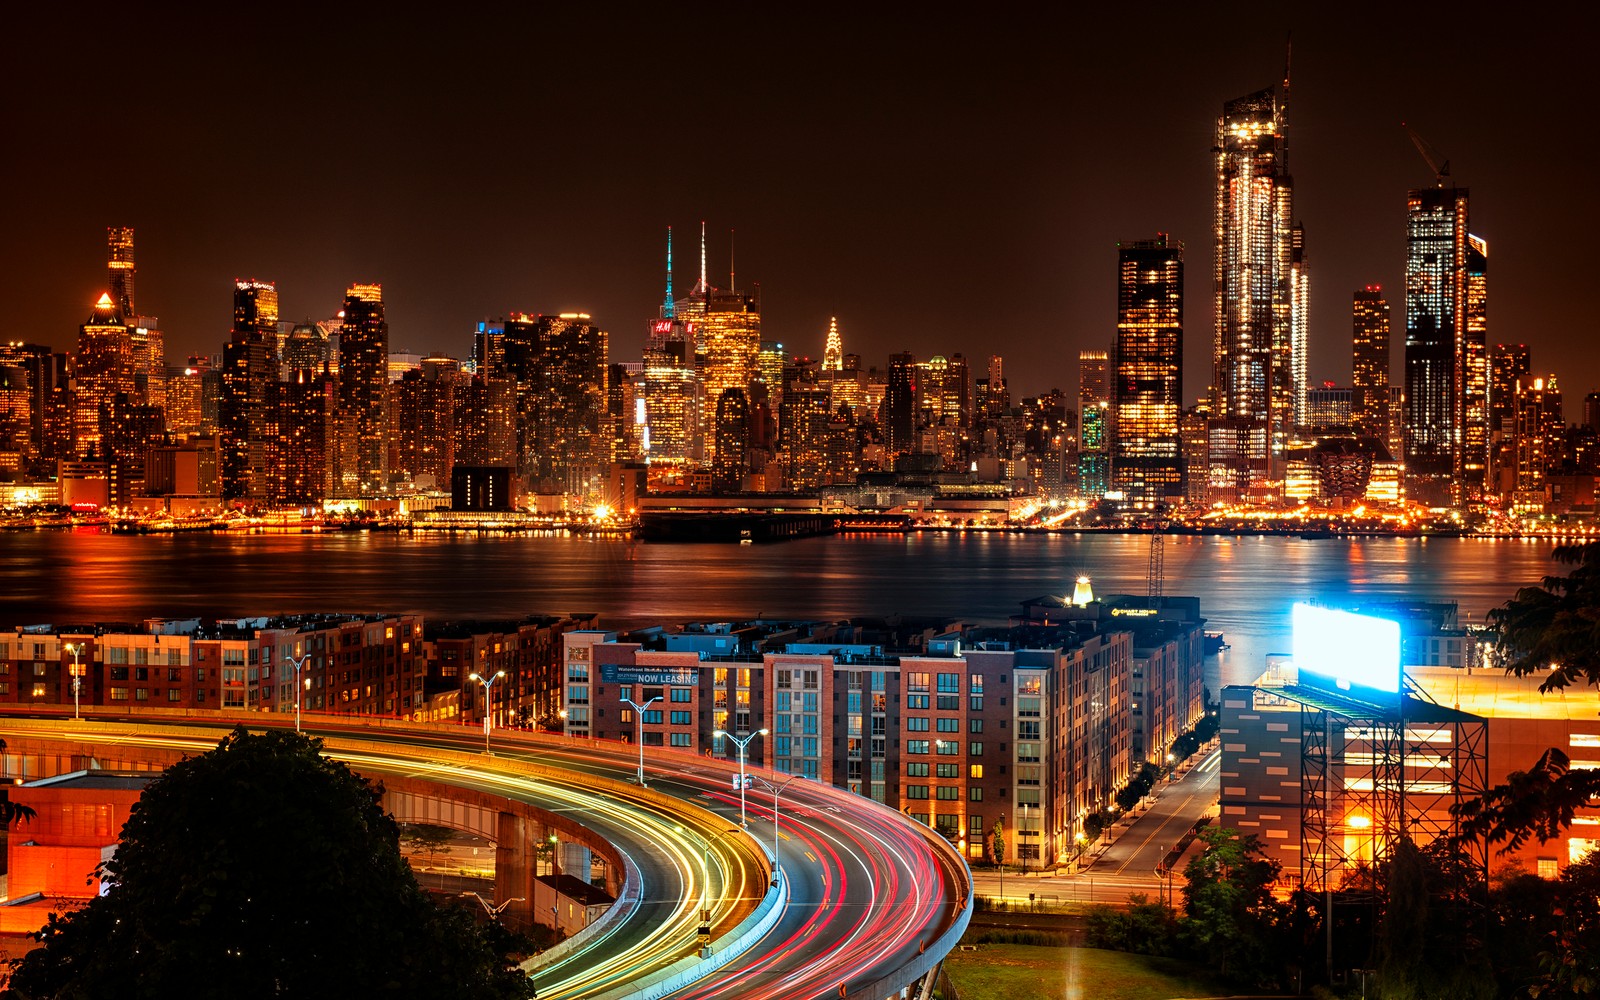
(997, 842)
(1232, 916)
(259, 869)
(1554, 631)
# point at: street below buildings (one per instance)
(1137, 846)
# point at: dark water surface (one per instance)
(1246, 584)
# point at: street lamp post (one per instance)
(297, 662)
(1022, 827)
(777, 790)
(488, 702)
(77, 675)
(638, 711)
(744, 817)
(705, 900)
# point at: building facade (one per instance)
(1147, 385)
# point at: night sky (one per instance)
(942, 179)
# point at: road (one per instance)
(868, 894)
(1129, 864)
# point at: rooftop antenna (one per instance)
(703, 286)
(730, 260)
(667, 310)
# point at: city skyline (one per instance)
(926, 168)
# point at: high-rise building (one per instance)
(119, 240)
(1260, 293)
(364, 388)
(833, 351)
(1538, 437)
(1475, 371)
(1507, 364)
(424, 427)
(1147, 383)
(899, 419)
(486, 422)
(560, 365)
(1436, 327)
(306, 349)
(1369, 369)
(732, 441)
(727, 330)
(249, 380)
(102, 369)
(1094, 413)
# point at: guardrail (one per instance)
(932, 954)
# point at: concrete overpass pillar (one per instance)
(513, 868)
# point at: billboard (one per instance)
(1343, 651)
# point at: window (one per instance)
(652, 717)
(975, 793)
(916, 746)
(949, 748)
(683, 696)
(173, 694)
(119, 694)
(1027, 730)
(974, 725)
(916, 682)
(682, 718)
(949, 793)
(141, 694)
(975, 771)
(682, 739)
(916, 791)
(949, 725)
(916, 770)
(917, 702)
(38, 691)
(916, 724)
(974, 749)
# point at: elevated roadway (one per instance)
(868, 903)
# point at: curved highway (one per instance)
(869, 892)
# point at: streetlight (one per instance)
(777, 790)
(77, 675)
(638, 711)
(1022, 827)
(705, 874)
(744, 817)
(297, 663)
(488, 688)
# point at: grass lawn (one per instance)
(1016, 971)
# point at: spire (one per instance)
(666, 306)
(731, 285)
(702, 288)
(833, 353)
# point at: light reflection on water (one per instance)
(1246, 584)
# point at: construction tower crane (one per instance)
(1438, 164)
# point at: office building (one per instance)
(1369, 369)
(1147, 381)
(1436, 264)
(248, 391)
(364, 391)
(1260, 295)
(1094, 414)
(899, 419)
(102, 369)
(1508, 364)
(120, 270)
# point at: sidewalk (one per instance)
(1129, 819)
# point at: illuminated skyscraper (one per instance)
(732, 441)
(833, 351)
(1260, 294)
(1369, 350)
(1147, 384)
(668, 406)
(424, 426)
(364, 388)
(728, 341)
(102, 369)
(899, 421)
(120, 270)
(485, 422)
(249, 378)
(1538, 433)
(1475, 375)
(1094, 414)
(1436, 338)
(1507, 364)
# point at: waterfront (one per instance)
(1246, 583)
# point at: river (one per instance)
(1246, 584)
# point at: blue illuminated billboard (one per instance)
(1347, 652)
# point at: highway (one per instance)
(867, 892)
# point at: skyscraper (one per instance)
(249, 381)
(1147, 386)
(1094, 411)
(102, 369)
(364, 389)
(120, 270)
(1369, 368)
(1475, 371)
(1260, 294)
(899, 419)
(1436, 336)
(1507, 364)
(833, 350)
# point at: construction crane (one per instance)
(1438, 164)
